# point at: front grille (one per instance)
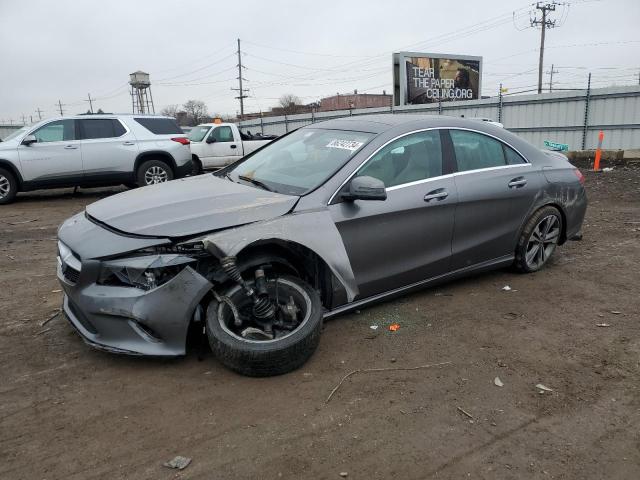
(70, 274)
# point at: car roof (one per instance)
(382, 122)
(398, 124)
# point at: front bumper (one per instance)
(129, 320)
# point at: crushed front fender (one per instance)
(314, 230)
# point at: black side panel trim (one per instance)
(480, 267)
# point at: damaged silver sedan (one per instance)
(326, 219)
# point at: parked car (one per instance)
(326, 219)
(93, 150)
(214, 145)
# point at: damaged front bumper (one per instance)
(130, 320)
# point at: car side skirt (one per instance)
(429, 282)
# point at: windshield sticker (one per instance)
(351, 145)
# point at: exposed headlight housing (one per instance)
(146, 273)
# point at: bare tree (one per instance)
(290, 103)
(196, 111)
(170, 111)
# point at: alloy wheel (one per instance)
(5, 186)
(155, 175)
(543, 241)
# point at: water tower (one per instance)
(141, 98)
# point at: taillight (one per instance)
(182, 140)
(580, 176)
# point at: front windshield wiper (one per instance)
(228, 177)
(258, 183)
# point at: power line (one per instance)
(551, 78)
(90, 102)
(545, 23)
(241, 92)
(60, 108)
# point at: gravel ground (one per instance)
(69, 412)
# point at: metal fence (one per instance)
(6, 130)
(572, 117)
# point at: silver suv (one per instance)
(93, 150)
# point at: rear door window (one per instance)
(118, 128)
(513, 158)
(160, 126)
(475, 151)
(58, 131)
(100, 128)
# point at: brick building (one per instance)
(355, 100)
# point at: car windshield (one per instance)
(197, 133)
(301, 161)
(16, 133)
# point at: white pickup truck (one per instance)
(214, 145)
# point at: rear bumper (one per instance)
(184, 170)
(129, 320)
(575, 213)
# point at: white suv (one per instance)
(93, 150)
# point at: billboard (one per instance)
(420, 78)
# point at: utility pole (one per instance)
(39, 113)
(551, 78)
(24, 120)
(544, 23)
(241, 91)
(90, 102)
(60, 108)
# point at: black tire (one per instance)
(266, 358)
(152, 172)
(197, 166)
(8, 186)
(528, 259)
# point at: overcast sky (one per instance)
(65, 49)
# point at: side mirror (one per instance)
(210, 139)
(29, 139)
(365, 188)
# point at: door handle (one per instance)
(517, 182)
(439, 194)
(71, 147)
(233, 146)
(128, 143)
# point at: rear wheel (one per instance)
(152, 172)
(538, 240)
(257, 348)
(8, 186)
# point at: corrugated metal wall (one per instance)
(559, 116)
(6, 130)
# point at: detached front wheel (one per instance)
(259, 348)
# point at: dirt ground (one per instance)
(69, 412)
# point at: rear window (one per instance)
(160, 126)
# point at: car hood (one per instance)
(189, 206)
